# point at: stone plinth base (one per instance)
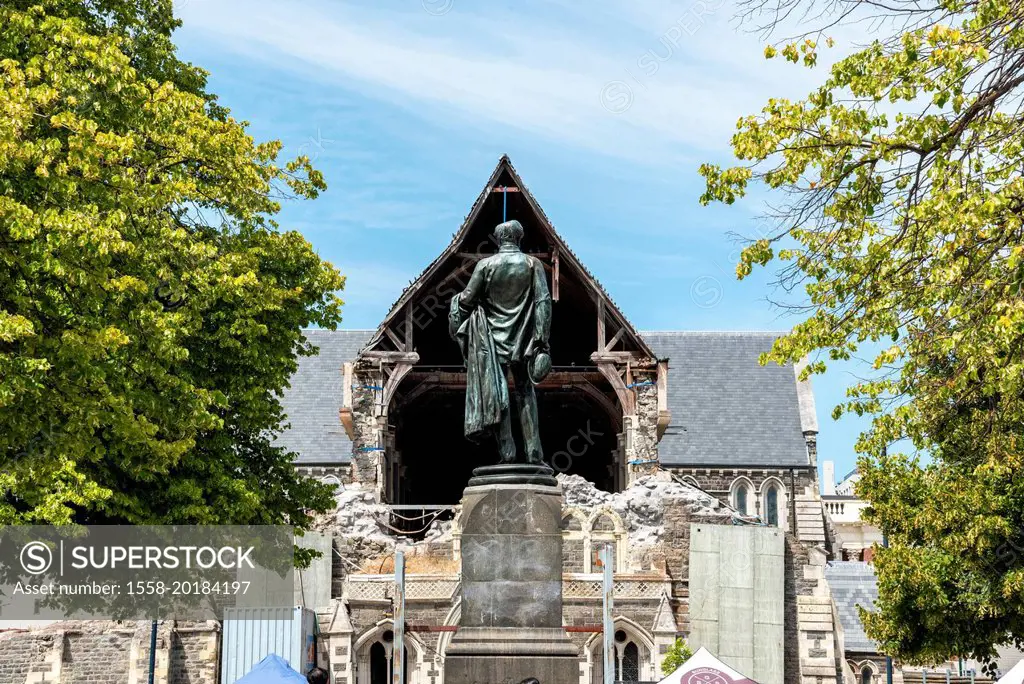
(511, 624)
(513, 473)
(479, 655)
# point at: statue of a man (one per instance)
(502, 322)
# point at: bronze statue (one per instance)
(502, 322)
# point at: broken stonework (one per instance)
(366, 442)
(645, 436)
(356, 514)
(642, 506)
(364, 540)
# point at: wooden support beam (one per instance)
(408, 328)
(615, 340)
(602, 399)
(613, 357)
(554, 380)
(505, 188)
(476, 256)
(555, 273)
(392, 357)
(400, 370)
(626, 399)
(460, 271)
(345, 413)
(664, 414)
(600, 323)
(399, 344)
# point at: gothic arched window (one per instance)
(865, 675)
(379, 664)
(632, 653)
(771, 505)
(376, 664)
(630, 664)
(741, 500)
(741, 496)
(627, 658)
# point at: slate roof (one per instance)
(853, 583)
(312, 402)
(726, 409)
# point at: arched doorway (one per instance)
(633, 658)
(375, 656)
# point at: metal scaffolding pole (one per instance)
(608, 627)
(398, 645)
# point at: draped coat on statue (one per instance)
(501, 318)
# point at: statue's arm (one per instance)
(469, 299)
(541, 306)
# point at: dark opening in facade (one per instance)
(433, 460)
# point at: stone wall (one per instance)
(27, 657)
(109, 652)
(326, 473)
(101, 658)
(644, 454)
(804, 516)
(811, 656)
(367, 457)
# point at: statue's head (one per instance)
(509, 231)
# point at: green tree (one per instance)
(150, 307)
(899, 214)
(678, 653)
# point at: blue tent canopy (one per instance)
(272, 670)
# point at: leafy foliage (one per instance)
(150, 308)
(676, 656)
(901, 219)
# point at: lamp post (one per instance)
(152, 652)
(608, 625)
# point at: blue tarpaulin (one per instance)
(272, 670)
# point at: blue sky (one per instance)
(607, 108)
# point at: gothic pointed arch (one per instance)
(426, 298)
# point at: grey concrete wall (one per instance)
(737, 576)
(313, 584)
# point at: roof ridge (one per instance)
(338, 330)
(713, 332)
(571, 259)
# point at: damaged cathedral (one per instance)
(694, 462)
(696, 465)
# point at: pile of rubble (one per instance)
(362, 526)
(642, 506)
(357, 513)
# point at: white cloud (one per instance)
(652, 82)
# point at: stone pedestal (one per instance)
(511, 626)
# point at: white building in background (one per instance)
(854, 538)
(852, 582)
